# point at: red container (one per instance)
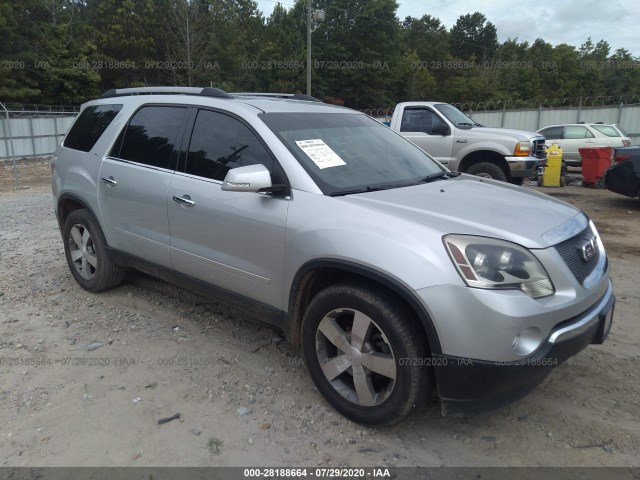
(595, 161)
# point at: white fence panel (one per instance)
(37, 133)
(627, 116)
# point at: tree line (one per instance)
(68, 51)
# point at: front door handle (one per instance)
(461, 141)
(184, 200)
(109, 181)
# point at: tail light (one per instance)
(626, 143)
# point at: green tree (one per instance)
(189, 25)
(622, 74)
(16, 55)
(356, 51)
(430, 41)
(122, 31)
(415, 82)
(513, 75)
(473, 37)
(592, 59)
(64, 70)
(284, 41)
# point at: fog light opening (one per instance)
(527, 341)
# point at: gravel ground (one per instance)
(85, 377)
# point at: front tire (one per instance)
(366, 354)
(487, 170)
(85, 250)
(519, 181)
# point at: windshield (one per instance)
(350, 152)
(455, 116)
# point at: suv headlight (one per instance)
(523, 149)
(497, 264)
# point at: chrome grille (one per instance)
(570, 251)
(538, 149)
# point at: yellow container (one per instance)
(553, 169)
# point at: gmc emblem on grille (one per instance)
(587, 248)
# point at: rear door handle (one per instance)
(109, 181)
(184, 200)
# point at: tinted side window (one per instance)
(151, 135)
(419, 120)
(219, 143)
(89, 126)
(552, 133)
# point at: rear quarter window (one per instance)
(608, 130)
(89, 126)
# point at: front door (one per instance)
(417, 125)
(233, 240)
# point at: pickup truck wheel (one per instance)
(487, 170)
(85, 250)
(365, 354)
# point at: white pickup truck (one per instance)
(461, 144)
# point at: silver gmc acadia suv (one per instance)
(392, 274)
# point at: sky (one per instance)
(555, 21)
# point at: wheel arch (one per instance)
(67, 203)
(318, 274)
(486, 156)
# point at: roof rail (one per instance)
(291, 96)
(206, 91)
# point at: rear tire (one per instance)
(487, 170)
(85, 250)
(366, 354)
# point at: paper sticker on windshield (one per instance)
(320, 153)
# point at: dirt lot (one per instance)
(86, 377)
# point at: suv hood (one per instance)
(472, 206)
(504, 133)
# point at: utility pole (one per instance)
(317, 16)
(309, 47)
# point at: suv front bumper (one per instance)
(468, 386)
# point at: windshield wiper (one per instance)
(440, 175)
(466, 124)
(368, 188)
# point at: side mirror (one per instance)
(251, 178)
(441, 129)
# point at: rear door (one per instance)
(134, 183)
(576, 137)
(234, 240)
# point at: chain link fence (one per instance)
(31, 131)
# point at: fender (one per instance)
(379, 277)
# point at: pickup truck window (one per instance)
(362, 154)
(419, 120)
